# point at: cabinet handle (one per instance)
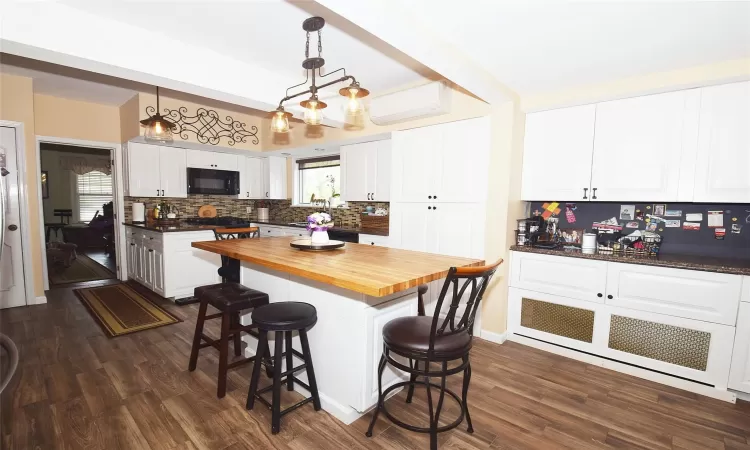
(585, 190)
(248, 193)
(150, 250)
(162, 192)
(593, 197)
(157, 192)
(373, 196)
(609, 297)
(267, 194)
(599, 295)
(132, 243)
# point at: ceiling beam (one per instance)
(389, 21)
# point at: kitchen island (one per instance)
(356, 291)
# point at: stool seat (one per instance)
(231, 297)
(285, 316)
(411, 335)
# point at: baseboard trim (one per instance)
(40, 300)
(742, 395)
(708, 391)
(497, 338)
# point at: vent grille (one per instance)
(561, 320)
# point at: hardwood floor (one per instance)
(78, 389)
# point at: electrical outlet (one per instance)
(249, 209)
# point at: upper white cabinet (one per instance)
(557, 154)
(200, 159)
(684, 146)
(443, 163)
(251, 177)
(366, 171)
(723, 165)
(155, 171)
(273, 169)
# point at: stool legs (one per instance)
(465, 393)
(197, 336)
(237, 338)
(381, 368)
(289, 360)
(310, 370)
(259, 355)
(276, 403)
(412, 379)
(226, 319)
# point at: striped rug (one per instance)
(119, 309)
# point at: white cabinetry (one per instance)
(366, 171)
(443, 163)
(155, 171)
(723, 163)
(372, 239)
(739, 376)
(273, 169)
(560, 275)
(200, 159)
(251, 178)
(556, 139)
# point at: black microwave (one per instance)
(214, 182)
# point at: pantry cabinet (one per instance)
(366, 171)
(444, 163)
(155, 171)
(723, 163)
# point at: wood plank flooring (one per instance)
(77, 389)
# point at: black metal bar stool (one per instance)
(425, 340)
(283, 318)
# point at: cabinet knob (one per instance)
(429, 207)
(599, 295)
(434, 197)
(585, 191)
(434, 207)
(372, 243)
(430, 197)
(609, 297)
(132, 243)
(150, 250)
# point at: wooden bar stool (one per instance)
(230, 299)
(283, 318)
(425, 340)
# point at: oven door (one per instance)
(213, 182)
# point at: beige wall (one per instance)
(167, 102)
(17, 104)
(129, 120)
(73, 119)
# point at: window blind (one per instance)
(94, 190)
(316, 163)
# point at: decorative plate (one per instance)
(306, 244)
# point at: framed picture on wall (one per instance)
(45, 184)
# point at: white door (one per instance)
(739, 375)
(143, 170)
(12, 285)
(637, 148)
(173, 172)
(409, 226)
(448, 238)
(413, 158)
(460, 163)
(276, 178)
(557, 154)
(360, 162)
(722, 172)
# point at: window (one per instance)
(94, 190)
(319, 178)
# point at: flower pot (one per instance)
(262, 213)
(319, 237)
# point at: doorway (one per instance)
(77, 191)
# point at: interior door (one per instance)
(12, 285)
(413, 160)
(173, 171)
(637, 148)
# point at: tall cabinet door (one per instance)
(173, 171)
(638, 148)
(360, 161)
(460, 163)
(456, 229)
(722, 172)
(409, 226)
(254, 180)
(143, 170)
(413, 160)
(557, 154)
(276, 178)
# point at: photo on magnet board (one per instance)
(627, 212)
(572, 236)
(659, 210)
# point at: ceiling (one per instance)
(540, 46)
(267, 33)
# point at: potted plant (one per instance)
(262, 208)
(319, 223)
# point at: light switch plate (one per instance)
(249, 209)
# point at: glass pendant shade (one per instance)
(280, 121)
(158, 129)
(313, 110)
(354, 104)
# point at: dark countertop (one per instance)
(183, 226)
(692, 262)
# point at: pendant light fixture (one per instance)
(313, 106)
(158, 128)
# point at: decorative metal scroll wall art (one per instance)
(207, 126)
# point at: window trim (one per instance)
(77, 196)
(296, 177)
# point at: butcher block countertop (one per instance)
(374, 271)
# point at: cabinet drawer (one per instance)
(371, 239)
(707, 296)
(559, 275)
(266, 231)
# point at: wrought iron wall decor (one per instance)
(207, 126)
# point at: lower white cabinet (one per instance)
(739, 376)
(167, 264)
(559, 275)
(277, 230)
(372, 239)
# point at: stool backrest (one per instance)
(476, 278)
(236, 233)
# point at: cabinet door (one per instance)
(739, 375)
(265, 178)
(130, 257)
(158, 271)
(409, 226)
(360, 161)
(723, 162)
(173, 171)
(211, 160)
(254, 178)
(276, 178)
(706, 296)
(459, 170)
(638, 147)
(580, 279)
(140, 262)
(224, 161)
(148, 267)
(382, 190)
(412, 162)
(143, 170)
(557, 154)
(456, 229)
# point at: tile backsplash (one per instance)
(279, 210)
